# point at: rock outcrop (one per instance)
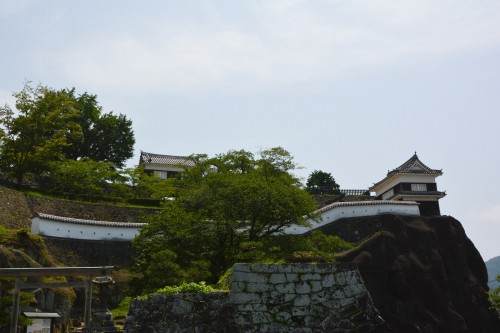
(423, 273)
(20, 249)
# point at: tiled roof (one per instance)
(353, 191)
(165, 159)
(407, 167)
(89, 222)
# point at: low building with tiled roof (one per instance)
(411, 181)
(164, 166)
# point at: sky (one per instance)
(350, 87)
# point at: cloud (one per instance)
(8, 8)
(490, 214)
(277, 43)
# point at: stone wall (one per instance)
(88, 211)
(73, 252)
(300, 298)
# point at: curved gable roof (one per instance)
(165, 159)
(413, 166)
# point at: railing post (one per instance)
(15, 306)
(88, 302)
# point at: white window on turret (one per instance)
(388, 194)
(419, 187)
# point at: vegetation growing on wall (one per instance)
(191, 287)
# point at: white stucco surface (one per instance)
(406, 178)
(54, 226)
(340, 210)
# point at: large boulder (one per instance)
(423, 273)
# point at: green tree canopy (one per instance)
(83, 176)
(494, 297)
(50, 125)
(219, 203)
(106, 137)
(44, 124)
(320, 182)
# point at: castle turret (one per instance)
(411, 181)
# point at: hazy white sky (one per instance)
(349, 87)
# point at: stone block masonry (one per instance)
(298, 298)
(301, 298)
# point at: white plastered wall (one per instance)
(348, 211)
(59, 229)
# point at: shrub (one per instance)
(190, 287)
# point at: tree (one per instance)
(149, 186)
(83, 176)
(106, 137)
(220, 203)
(494, 297)
(43, 126)
(50, 125)
(6, 299)
(320, 182)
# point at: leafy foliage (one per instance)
(192, 287)
(320, 182)
(6, 300)
(122, 309)
(44, 125)
(105, 137)
(494, 297)
(50, 125)
(148, 185)
(19, 248)
(220, 203)
(81, 176)
(316, 247)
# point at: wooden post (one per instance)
(88, 302)
(15, 306)
(52, 271)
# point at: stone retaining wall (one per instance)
(298, 298)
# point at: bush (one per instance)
(122, 309)
(494, 297)
(190, 287)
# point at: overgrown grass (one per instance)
(3, 232)
(31, 246)
(121, 310)
(191, 287)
